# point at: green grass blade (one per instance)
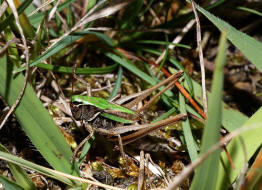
(176, 64)
(118, 83)
(162, 43)
(85, 150)
(35, 120)
(8, 184)
(69, 18)
(80, 71)
(165, 55)
(187, 77)
(190, 142)
(206, 175)
(104, 38)
(51, 51)
(184, 18)
(62, 44)
(24, 163)
(131, 67)
(19, 174)
(250, 47)
(252, 141)
(166, 115)
(250, 10)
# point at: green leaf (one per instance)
(131, 67)
(8, 184)
(83, 71)
(117, 85)
(165, 115)
(165, 55)
(206, 175)
(250, 47)
(62, 44)
(162, 43)
(184, 18)
(251, 139)
(250, 10)
(34, 119)
(85, 150)
(19, 174)
(43, 170)
(176, 64)
(190, 142)
(51, 51)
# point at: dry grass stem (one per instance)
(242, 173)
(46, 3)
(167, 180)
(4, 48)
(141, 177)
(53, 11)
(201, 58)
(3, 8)
(156, 19)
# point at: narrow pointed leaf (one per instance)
(251, 140)
(250, 47)
(8, 184)
(34, 119)
(32, 166)
(206, 175)
(190, 142)
(19, 174)
(64, 43)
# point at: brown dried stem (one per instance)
(201, 58)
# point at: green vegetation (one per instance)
(119, 48)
